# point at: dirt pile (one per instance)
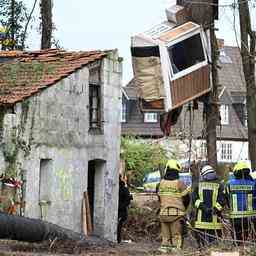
(57, 247)
(143, 223)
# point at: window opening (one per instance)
(203, 150)
(94, 106)
(224, 114)
(45, 186)
(150, 117)
(186, 53)
(123, 113)
(226, 151)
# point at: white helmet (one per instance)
(206, 170)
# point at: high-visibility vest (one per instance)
(241, 193)
(171, 193)
(210, 194)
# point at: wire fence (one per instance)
(225, 240)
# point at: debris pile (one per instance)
(143, 224)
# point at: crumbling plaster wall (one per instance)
(54, 125)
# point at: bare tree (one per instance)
(248, 40)
(47, 24)
(27, 24)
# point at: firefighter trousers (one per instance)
(240, 229)
(171, 231)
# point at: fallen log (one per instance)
(33, 230)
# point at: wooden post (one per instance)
(84, 217)
(88, 214)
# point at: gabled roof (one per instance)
(131, 90)
(231, 73)
(23, 74)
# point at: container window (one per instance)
(186, 53)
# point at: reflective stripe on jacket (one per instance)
(207, 196)
(171, 193)
(241, 196)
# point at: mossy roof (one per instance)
(22, 74)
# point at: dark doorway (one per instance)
(45, 186)
(96, 194)
(91, 186)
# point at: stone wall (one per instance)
(49, 140)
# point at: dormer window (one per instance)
(150, 117)
(224, 58)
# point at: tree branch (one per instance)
(26, 26)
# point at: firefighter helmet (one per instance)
(206, 170)
(241, 166)
(173, 165)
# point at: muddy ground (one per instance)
(11, 248)
(141, 237)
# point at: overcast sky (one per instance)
(99, 24)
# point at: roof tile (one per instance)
(29, 72)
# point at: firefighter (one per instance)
(208, 200)
(241, 193)
(174, 200)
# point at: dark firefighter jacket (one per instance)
(208, 199)
(241, 193)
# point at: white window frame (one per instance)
(226, 151)
(194, 67)
(203, 150)
(150, 117)
(224, 114)
(123, 113)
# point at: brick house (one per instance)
(59, 110)
(232, 137)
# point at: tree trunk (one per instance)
(248, 38)
(205, 14)
(12, 23)
(212, 114)
(46, 16)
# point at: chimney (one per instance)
(176, 14)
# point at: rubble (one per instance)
(143, 223)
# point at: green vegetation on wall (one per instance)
(13, 142)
